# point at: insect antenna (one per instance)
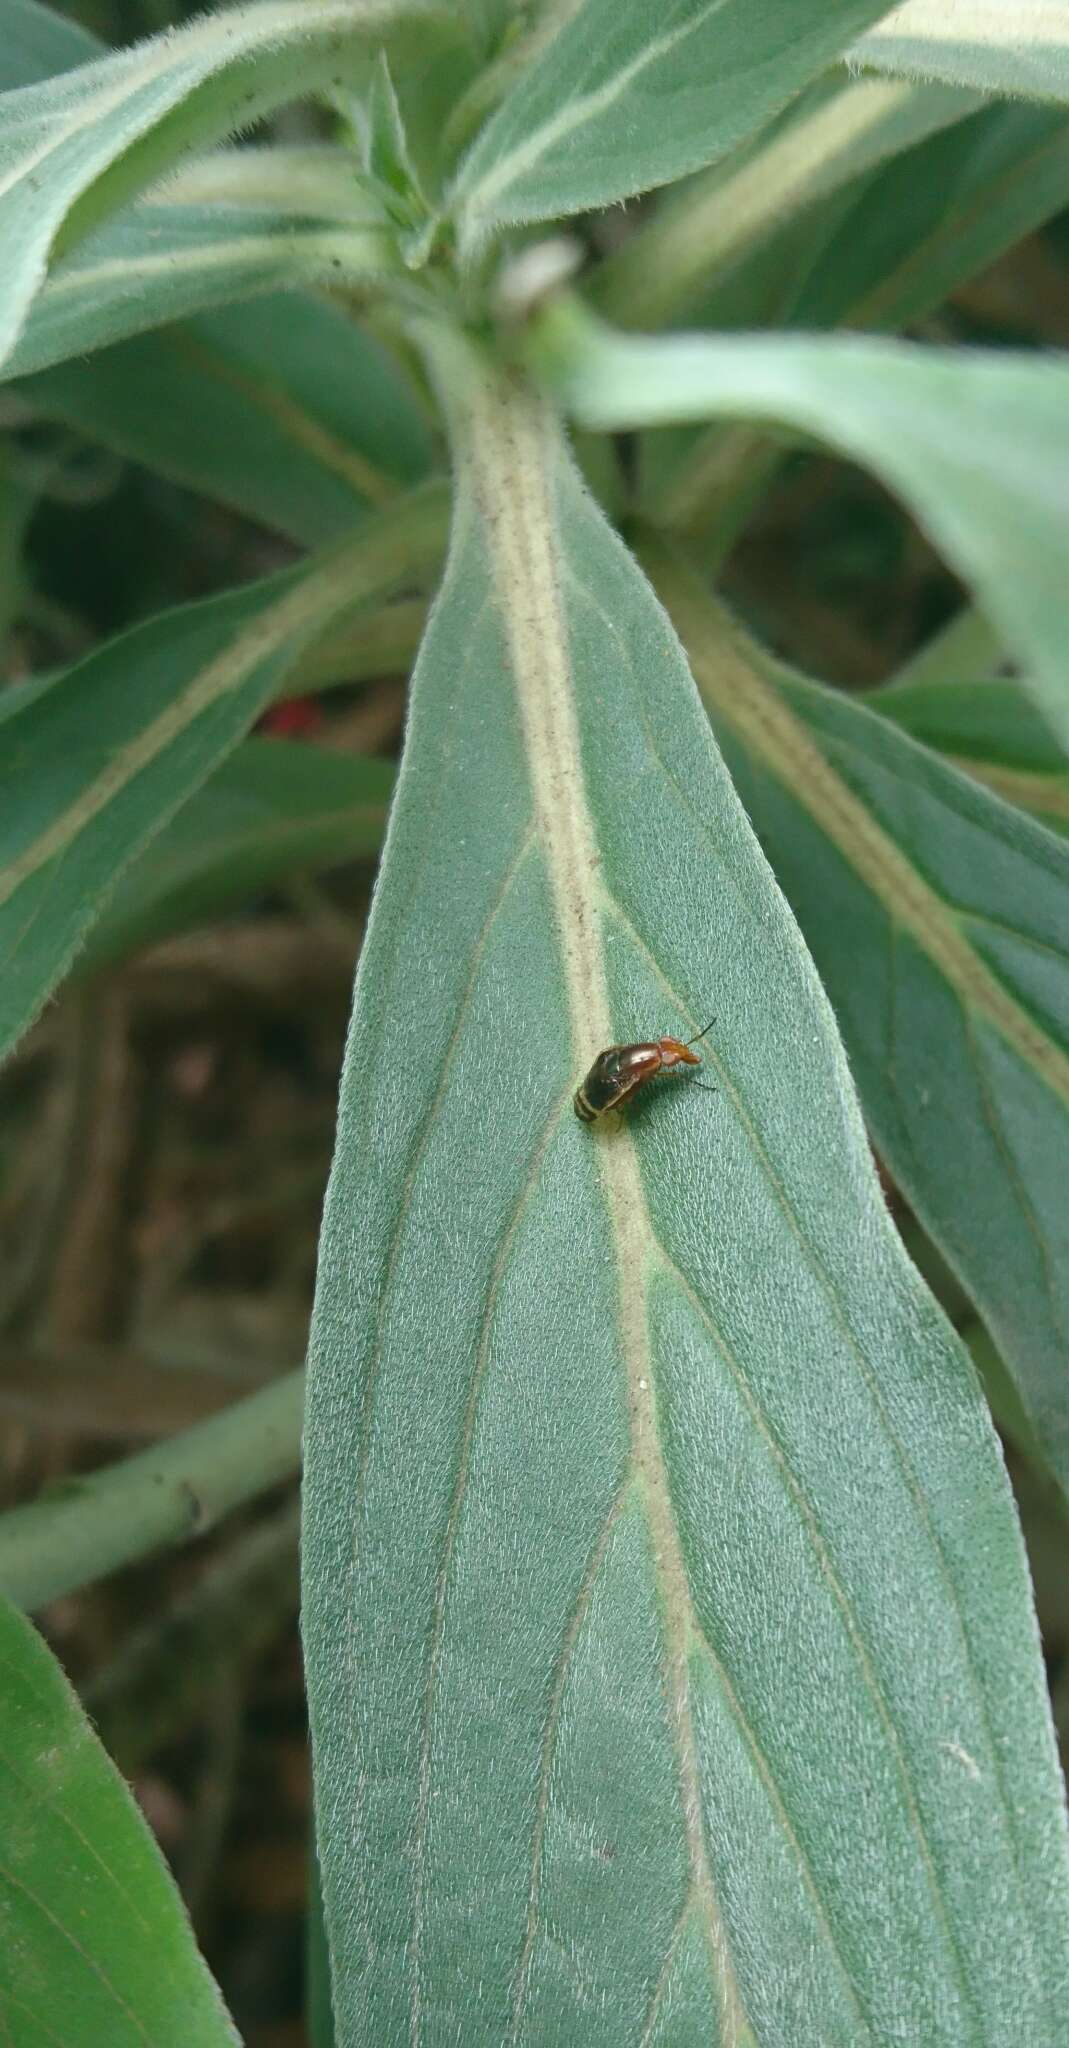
(702, 1032)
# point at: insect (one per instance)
(621, 1070)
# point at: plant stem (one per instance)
(176, 1490)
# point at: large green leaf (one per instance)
(977, 444)
(156, 264)
(1011, 46)
(625, 98)
(97, 1949)
(75, 147)
(274, 809)
(94, 765)
(670, 1659)
(285, 410)
(937, 918)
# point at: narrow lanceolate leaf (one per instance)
(617, 1436)
(275, 809)
(92, 767)
(162, 263)
(937, 216)
(73, 149)
(1018, 47)
(976, 444)
(989, 727)
(838, 131)
(285, 410)
(97, 1947)
(625, 98)
(937, 918)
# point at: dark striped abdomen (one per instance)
(615, 1075)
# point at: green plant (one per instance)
(671, 1655)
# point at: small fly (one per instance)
(621, 1070)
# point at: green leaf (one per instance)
(625, 98)
(284, 410)
(387, 154)
(162, 263)
(966, 648)
(315, 179)
(879, 255)
(937, 216)
(977, 445)
(1019, 47)
(37, 43)
(834, 133)
(618, 1438)
(318, 2011)
(899, 241)
(92, 767)
(381, 643)
(274, 809)
(989, 728)
(74, 149)
(97, 1948)
(936, 917)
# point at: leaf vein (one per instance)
(500, 1267)
(810, 1521)
(548, 1748)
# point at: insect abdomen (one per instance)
(614, 1076)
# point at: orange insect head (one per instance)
(673, 1049)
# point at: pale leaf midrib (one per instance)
(302, 245)
(507, 441)
(1031, 789)
(738, 693)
